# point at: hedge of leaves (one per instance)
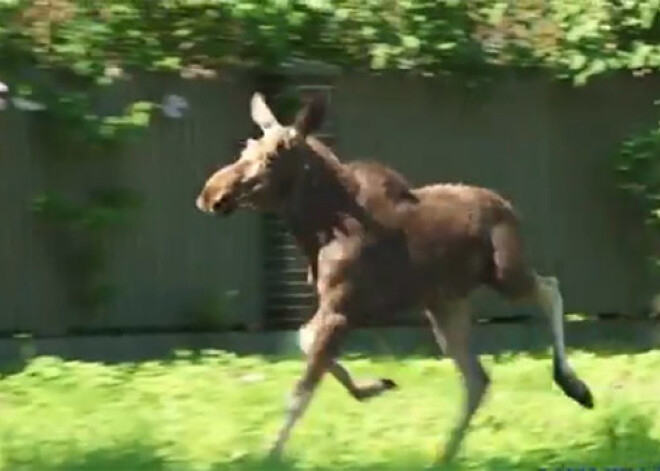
(638, 171)
(572, 38)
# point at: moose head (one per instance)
(268, 167)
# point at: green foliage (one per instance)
(217, 411)
(102, 40)
(106, 208)
(56, 53)
(78, 233)
(638, 172)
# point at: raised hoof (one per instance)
(375, 389)
(274, 454)
(388, 384)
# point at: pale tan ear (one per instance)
(261, 114)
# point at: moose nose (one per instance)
(204, 203)
(217, 204)
(212, 204)
(199, 202)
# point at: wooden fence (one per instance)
(546, 145)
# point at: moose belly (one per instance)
(369, 281)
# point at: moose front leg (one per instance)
(366, 389)
(322, 349)
(361, 390)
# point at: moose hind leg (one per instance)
(361, 391)
(514, 279)
(451, 328)
(549, 298)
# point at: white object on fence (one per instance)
(4, 90)
(174, 106)
(24, 104)
(20, 103)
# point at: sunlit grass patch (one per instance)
(217, 411)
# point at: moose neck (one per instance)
(322, 205)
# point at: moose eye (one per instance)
(270, 160)
(245, 143)
(282, 146)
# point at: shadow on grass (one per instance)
(133, 458)
(623, 442)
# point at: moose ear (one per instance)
(310, 118)
(261, 114)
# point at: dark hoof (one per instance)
(274, 456)
(576, 390)
(572, 386)
(444, 462)
(374, 389)
(388, 384)
(583, 396)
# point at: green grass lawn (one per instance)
(218, 412)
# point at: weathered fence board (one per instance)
(173, 266)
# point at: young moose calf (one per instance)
(375, 246)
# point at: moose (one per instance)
(375, 246)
